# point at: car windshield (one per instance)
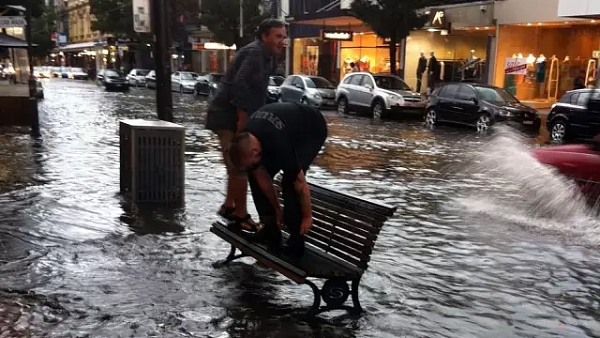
(276, 81)
(390, 83)
(142, 72)
(495, 95)
(187, 76)
(318, 82)
(112, 73)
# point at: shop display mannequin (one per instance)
(421, 68)
(433, 70)
(471, 68)
(540, 73)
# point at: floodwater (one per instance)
(485, 242)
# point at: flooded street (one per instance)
(485, 242)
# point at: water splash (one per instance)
(520, 189)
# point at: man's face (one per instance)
(275, 40)
(251, 159)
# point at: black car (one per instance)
(112, 80)
(206, 84)
(480, 106)
(274, 90)
(573, 117)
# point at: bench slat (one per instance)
(331, 241)
(333, 218)
(354, 201)
(352, 211)
(341, 236)
(332, 250)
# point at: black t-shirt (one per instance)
(285, 130)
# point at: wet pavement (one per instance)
(485, 242)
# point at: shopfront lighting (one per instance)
(432, 30)
(477, 28)
(539, 23)
(444, 32)
(593, 21)
(529, 24)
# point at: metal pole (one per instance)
(241, 20)
(162, 62)
(33, 106)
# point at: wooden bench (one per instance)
(338, 247)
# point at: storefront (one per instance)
(211, 57)
(317, 53)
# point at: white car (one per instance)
(184, 82)
(76, 73)
(377, 94)
(137, 77)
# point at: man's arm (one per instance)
(243, 81)
(265, 182)
(303, 191)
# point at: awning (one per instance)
(77, 47)
(9, 41)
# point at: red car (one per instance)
(580, 162)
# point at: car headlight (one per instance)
(503, 113)
(396, 99)
(108, 80)
(214, 85)
(316, 95)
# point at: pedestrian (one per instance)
(421, 68)
(281, 137)
(243, 91)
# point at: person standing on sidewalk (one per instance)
(242, 92)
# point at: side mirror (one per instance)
(474, 100)
(368, 86)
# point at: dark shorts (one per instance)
(221, 116)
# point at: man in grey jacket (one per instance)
(243, 90)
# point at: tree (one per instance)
(393, 19)
(222, 18)
(113, 17)
(42, 26)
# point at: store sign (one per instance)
(141, 16)
(211, 46)
(515, 66)
(437, 19)
(337, 35)
(12, 21)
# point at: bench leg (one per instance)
(231, 257)
(314, 310)
(355, 301)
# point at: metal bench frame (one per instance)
(338, 247)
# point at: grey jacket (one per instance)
(245, 83)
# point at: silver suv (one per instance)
(377, 94)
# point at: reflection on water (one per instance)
(457, 260)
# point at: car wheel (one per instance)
(377, 110)
(431, 117)
(558, 131)
(343, 106)
(484, 122)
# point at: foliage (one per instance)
(42, 26)
(393, 19)
(222, 18)
(113, 17)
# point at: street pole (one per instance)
(33, 106)
(162, 64)
(241, 21)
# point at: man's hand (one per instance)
(306, 225)
(242, 117)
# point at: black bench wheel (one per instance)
(335, 292)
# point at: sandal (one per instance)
(236, 223)
(226, 212)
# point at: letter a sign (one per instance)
(438, 18)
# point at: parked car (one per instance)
(137, 77)
(41, 72)
(380, 95)
(580, 162)
(573, 117)
(151, 79)
(207, 84)
(480, 106)
(56, 71)
(274, 88)
(183, 82)
(111, 79)
(77, 73)
(312, 90)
